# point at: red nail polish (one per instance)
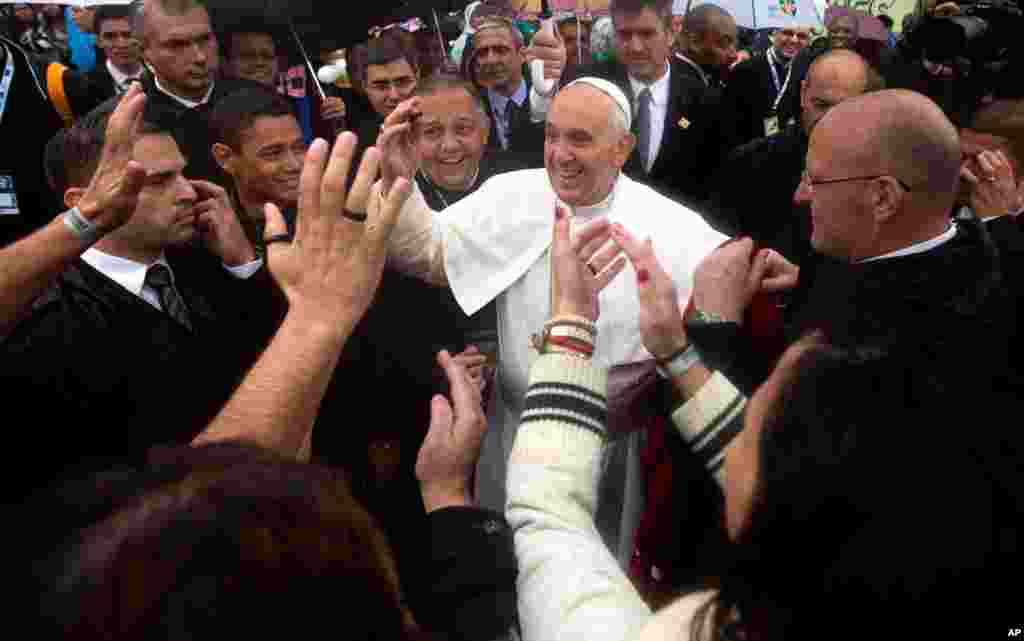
(642, 275)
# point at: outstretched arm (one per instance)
(329, 275)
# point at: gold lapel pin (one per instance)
(684, 123)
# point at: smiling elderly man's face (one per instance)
(585, 145)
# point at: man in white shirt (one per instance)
(144, 337)
(494, 245)
(115, 38)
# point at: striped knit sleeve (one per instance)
(569, 586)
(710, 420)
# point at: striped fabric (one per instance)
(710, 420)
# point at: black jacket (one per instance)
(29, 121)
(98, 375)
(191, 126)
(948, 306)
(754, 192)
(682, 165)
(747, 100)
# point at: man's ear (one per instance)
(225, 157)
(887, 199)
(624, 148)
(72, 196)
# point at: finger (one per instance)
(471, 349)
(608, 275)
(471, 360)
(561, 241)
(362, 187)
(208, 190)
(758, 270)
(464, 397)
(985, 162)
(134, 179)
(604, 257)
(388, 215)
(442, 418)
(639, 253)
(309, 186)
(403, 113)
(968, 175)
(391, 133)
(590, 233)
(333, 186)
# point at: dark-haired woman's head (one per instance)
(855, 488)
(227, 540)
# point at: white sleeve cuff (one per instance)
(246, 271)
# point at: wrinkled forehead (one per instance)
(583, 107)
(158, 153)
(446, 105)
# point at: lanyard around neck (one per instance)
(780, 90)
(5, 84)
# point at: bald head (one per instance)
(709, 36)
(835, 76)
(883, 171)
(906, 134)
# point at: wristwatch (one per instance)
(700, 317)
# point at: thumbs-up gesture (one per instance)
(548, 47)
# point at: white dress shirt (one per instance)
(499, 106)
(131, 274)
(659, 110)
(122, 80)
(918, 248)
(191, 104)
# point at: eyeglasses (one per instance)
(805, 179)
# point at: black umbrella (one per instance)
(327, 25)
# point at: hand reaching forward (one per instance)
(332, 269)
(582, 267)
(661, 319)
(397, 143)
(449, 453)
(548, 47)
(993, 185)
(113, 193)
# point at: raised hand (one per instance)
(993, 185)
(113, 193)
(473, 361)
(549, 48)
(728, 278)
(397, 143)
(582, 266)
(332, 108)
(333, 267)
(661, 318)
(450, 451)
(218, 225)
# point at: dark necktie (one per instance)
(159, 278)
(511, 108)
(643, 128)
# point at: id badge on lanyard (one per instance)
(771, 121)
(8, 191)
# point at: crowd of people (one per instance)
(540, 338)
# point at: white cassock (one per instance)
(494, 245)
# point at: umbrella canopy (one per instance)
(73, 3)
(773, 14)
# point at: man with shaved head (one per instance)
(707, 43)
(772, 166)
(893, 269)
(493, 245)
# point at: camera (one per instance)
(980, 41)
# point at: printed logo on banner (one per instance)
(782, 8)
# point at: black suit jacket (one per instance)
(748, 98)
(754, 192)
(682, 165)
(97, 375)
(526, 138)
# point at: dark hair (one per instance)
(867, 501)
(701, 18)
(391, 46)
(448, 81)
(236, 113)
(633, 7)
(228, 539)
(227, 36)
(73, 154)
(885, 20)
(112, 12)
